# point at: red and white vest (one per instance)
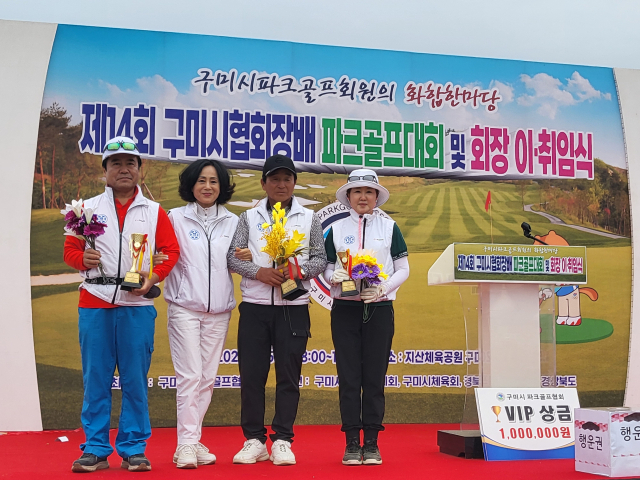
(141, 217)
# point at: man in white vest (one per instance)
(116, 327)
(267, 320)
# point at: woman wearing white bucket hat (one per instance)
(362, 325)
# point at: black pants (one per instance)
(362, 357)
(261, 327)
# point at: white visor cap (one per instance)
(125, 145)
(363, 177)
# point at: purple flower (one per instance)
(367, 273)
(76, 225)
(71, 215)
(360, 271)
(95, 228)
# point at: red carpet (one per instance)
(408, 451)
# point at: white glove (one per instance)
(371, 294)
(339, 276)
(545, 294)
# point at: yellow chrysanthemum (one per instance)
(366, 259)
(281, 245)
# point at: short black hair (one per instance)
(189, 176)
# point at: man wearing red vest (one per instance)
(116, 327)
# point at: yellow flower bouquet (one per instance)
(282, 245)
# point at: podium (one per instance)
(509, 311)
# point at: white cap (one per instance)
(121, 140)
(363, 177)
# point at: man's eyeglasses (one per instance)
(113, 146)
(366, 178)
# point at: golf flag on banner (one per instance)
(487, 202)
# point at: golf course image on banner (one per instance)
(522, 142)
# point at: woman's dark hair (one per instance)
(189, 176)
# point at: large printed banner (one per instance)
(442, 131)
(245, 137)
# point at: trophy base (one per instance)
(132, 280)
(292, 289)
(154, 292)
(348, 289)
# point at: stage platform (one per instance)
(408, 451)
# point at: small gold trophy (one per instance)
(496, 411)
(293, 288)
(137, 246)
(348, 287)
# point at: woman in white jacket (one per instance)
(199, 291)
(362, 336)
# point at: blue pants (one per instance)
(116, 337)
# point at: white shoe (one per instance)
(562, 320)
(186, 456)
(253, 451)
(574, 321)
(204, 456)
(281, 453)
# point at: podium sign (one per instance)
(508, 263)
(520, 263)
(527, 423)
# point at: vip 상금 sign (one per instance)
(527, 423)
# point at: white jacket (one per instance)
(141, 217)
(377, 236)
(299, 218)
(201, 281)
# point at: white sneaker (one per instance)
(204, 456)
(253, 451)
(574, 321)
(281, 453)
(186, 456)
(562, 320)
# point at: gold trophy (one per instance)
(137, 245)
(293, 288)
(348, 287)
(496, 410)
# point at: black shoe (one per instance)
(89, 462)
(353, 453)
(136, 463)
(371, 453)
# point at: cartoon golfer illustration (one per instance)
(568, 295)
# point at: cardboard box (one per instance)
(608, 441)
